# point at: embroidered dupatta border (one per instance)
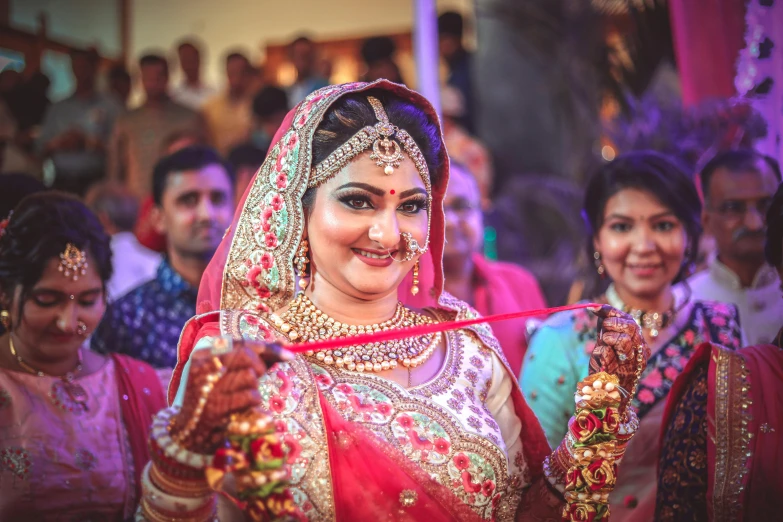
(729, 443)
(308, 414)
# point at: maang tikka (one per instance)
(73, 262)
(386, 152)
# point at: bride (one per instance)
(348, 208)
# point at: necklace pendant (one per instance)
(76, 392)
(69, 397)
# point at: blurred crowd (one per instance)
(163, 179)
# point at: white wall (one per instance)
(78, 22)
(251, 24)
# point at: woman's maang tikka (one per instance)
(387, 142)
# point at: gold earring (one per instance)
(301, 263)
(415, 287)
(5, 319)
(599, 266)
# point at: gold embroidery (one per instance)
(411, 414)
(732, 439)
(496, 488)
(408, 498)
(311, 476)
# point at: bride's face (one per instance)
(355, 223)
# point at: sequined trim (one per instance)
(447, 376)
(732, 439)
(288, 391)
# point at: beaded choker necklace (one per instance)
(652, 321)
(303, 322)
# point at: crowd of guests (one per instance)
(156, 187)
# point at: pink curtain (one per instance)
(708, 35)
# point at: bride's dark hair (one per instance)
(353, 112)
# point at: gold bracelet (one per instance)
(206, 389)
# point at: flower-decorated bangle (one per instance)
(256, 457)
(595, 442)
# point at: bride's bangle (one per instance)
(584, 466)
(171, 457)
(160, 504)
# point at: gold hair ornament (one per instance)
(73, 262)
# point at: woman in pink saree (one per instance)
(348, 206)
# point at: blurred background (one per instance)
(534, 93)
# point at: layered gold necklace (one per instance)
(303, 322)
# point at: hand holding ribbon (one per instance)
(620, 350)
(222, 382)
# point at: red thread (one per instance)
(393, 335)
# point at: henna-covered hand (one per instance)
(234, 376)
(619, 347)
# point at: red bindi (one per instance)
(391, 192)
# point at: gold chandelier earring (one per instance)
(415, 287)
(301, 262)
(599, 265)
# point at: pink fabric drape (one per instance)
(392, 488)
(708, 35)
(504, 288)
(142, 397)
(760, 491)
(764, 491)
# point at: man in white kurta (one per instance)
(738, 187)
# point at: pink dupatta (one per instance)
(745, 422)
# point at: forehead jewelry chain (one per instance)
(386, 152)
(73, 262)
